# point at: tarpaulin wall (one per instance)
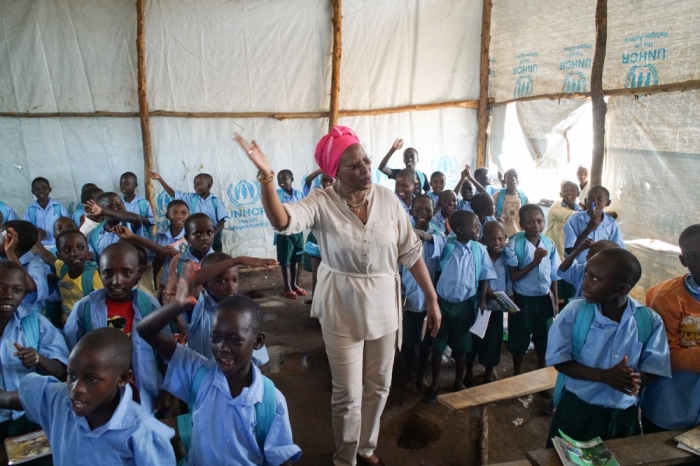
(239, 56)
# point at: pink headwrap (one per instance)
(331, 147)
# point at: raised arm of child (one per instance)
(571, 258)
(311, 177)
(125, 233)
(166, 186)
(462, 177)
(11, 253)
(93, 208)
(467, 175)
(30, 358)
(517, 274)
(45, 255)
(423, 236)
(204, 275)
(593, 223)
(10, 400)
(621, 377)
(398, 144)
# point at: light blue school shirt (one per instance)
(457, 282)
(434, 197)
(45, 219)
(131, 437)
(501, 282)
(287, 198)
(143, 360)
(539, 280)
(406, 208)
(77, 213)
(413, 294)
(488, 218)
(133, 207)
(165, 238)
(315, 184)
(606, 344)
(491, 190)
(439, 220)
(608, 229)
(224, 427)
(104, 239)
(51, 345)
(464, 205)
(574, 275)
(7, 213)
(199, 329)
(38, 270)
(205, 206)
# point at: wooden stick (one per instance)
(483, 117)
(597, 95)
(484, 436)
(335, 65)
(143, 99)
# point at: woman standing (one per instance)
(363, 232)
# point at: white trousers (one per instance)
(361, 371)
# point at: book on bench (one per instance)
(27, 447)
(689, 441)
(590, 453)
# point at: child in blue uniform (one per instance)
(7, 213)
(482, 205)
(44, 212)
(410, 160)
(572, 271)
(437, 185)
(17, 238)
(606, 348)
(172, 236)
(289, 247)
(447, 203)
(136, 204)
(111, 207)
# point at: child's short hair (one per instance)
(109, 339)
(530, 208)
(175, 202)
(40, 179)
(27, 233)
(423, 196)
(140, 251)
(437, 174)
(243, 304)
(214, 258)
(408, 173)
(90, 194)
(87, 185)
(564, 183)
(691, 232)
(193, 218)
(65, 233)
(600, 188)
(624, 264)
(479, 172)
(103, 199)
(461, 218)
(207, 177)
(10, 265)
(480, 201)
(129, 175)
(285, 172)
(493, 224)
(121, 247)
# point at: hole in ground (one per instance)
(416, 433)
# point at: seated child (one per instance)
(447, 203)
(79, 212)
(405, 187)
(488, 348)
(437, 184)
(410, 160)
(415, 306)
(17, 238)
(121, 306)
(482, 205)
(289, 247)
(7, 213)
(137, 204)
(673, 404)
(559, 213)
(62, 224)
(606, 347)
(30, 344)
(573, 271)
(461, 288)
(172, 236)
(238, 416)
(92, 419)
(44, 212)
(592, 223)
(532, 265)
(316, 180)
(482, 176)
(508, 203)
(201, 201)
(113, 212)
(89, 221)
(583, 185)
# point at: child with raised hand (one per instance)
(461, 289)
(415, 306)
(289, 247)
(44, 212)
(482, 205)
(405, 187)
(316, 180)
(532, 265)
(238, 416)
(92, 419)
(482, 176)
(7, 213)
(606, 348)
(410, 160)
(572, 271)
(559, 213)
(437, 184)
(201, 201)
(592, 223)
(30, 344)
(120, 305)
(111, 207)
(136, 204)
(447, 203)
(17, 238)
(508, 202)
(88, 221)
(79, 212)
(671, 404)
(467, 179)
(172, 237)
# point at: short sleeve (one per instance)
(303, 214)
(186, 197)
(394, 172)
(64, 211)
(487, 270)
(73, 328)
(52, 344)
(221, 213)
(509, 253)
(555, 262)
(38, 394)
(279, 445)
(573, 274)
(656, 357)
(570, 235)
(410, 248)
(559, 343)
(426, 183)
(439, 242)
(38, 272)
(616, 234)
(181, 370)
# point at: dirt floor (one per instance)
(435, 436)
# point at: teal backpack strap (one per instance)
(499, 202)
(644, 324)
(478, 258)
(94, 235)
(184, 421)
(145, 305)
(519, 246)
(57, 210)
(265, 413)
(180, 265)
(280, 195)
(62, 273)
(447, 252)
(87, 317)
(582, 324)
(86, 278)
(421, 179)
(31, 210)
(30, 327)
(143, 212)
(215, 203)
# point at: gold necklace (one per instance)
(351, 206)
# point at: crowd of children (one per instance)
(104, 318)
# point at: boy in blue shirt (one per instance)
(415, 306)
(7, 213)
(482, 205)
(79, 211)
(137, 204)
(482, 176)
(111, 207)
(437, 185)
(172, 236)
(289, 247)
(30, 344)
(573, 271)
(316, 180)
(201, 200)
(461, 288)
(447, 203)
(606, 348)
(17, 238)
(238, 416)
(410, 160)
(466, 187)
(92, 419)
(532, 262)
(592, 223)
(405, 187)
(44, 212)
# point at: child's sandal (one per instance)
(300, 291)
(289, 294)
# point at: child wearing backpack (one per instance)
(237, 414)
(17, 238)
(508, 202)
(447, 203)
(7, 213)
(44, 212)
(405, 187)
(572, 271)
(532, 265)
(111, 207)
(30, 344)
(120, 306)
(136, 204)
(289, 247)
(606, 348)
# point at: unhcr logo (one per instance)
(642, 76)
(574, 82)
(162, 201)
(244, 193)
(524, 87)
(446, 164)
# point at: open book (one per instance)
(27, 447)
(590, 453)
(502, 303)
(689, 441)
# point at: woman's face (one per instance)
(355, 169)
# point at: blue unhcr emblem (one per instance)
(446, 164)
(524, 87)
(574, 82)
(162, 201)
(244, 193)
(642, 76)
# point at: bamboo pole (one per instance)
(597, 95)
(335, 65)
(483, 115)
(143, 99)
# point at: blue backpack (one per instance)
(421, 179)
(31, 211)
(582, 324)
(476, 251)
(521, 243)
(264, 411)
(85, 279)
(30, 327)
(196, 197)
(502, 198)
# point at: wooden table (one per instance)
(642, 450)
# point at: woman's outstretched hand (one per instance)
(255, 154)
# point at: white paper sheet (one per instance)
(481, 323)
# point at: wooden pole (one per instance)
(597, 94)
(335, 65)
(483, 116)
(143, 99)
